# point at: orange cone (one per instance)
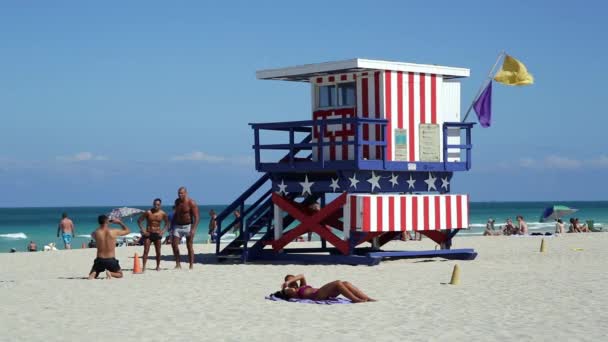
(136, 265)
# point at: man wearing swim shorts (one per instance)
(185, 221)
(67, 229)
(153, 233)
(106, 245)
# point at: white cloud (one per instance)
(563, 163)
(82, 156)
(204, 157)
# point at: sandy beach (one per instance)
(511, 291)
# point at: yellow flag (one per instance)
(514, 73)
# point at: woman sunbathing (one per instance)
(291, 289)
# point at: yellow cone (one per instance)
(543, 247)
(455, 276)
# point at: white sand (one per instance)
(510, 292)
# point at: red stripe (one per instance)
(410, 130)
(426, 213)
(458, 212)
(403, 214)
(415, 213)
(437, 213)
(448, 209)
(433, 99)
(319, 79)
(400, 99)
(365, 113)
(343, 78)
(422, 98)
(379, 214)
(388, 109)
(353, 212)
(344, 139)
(331, 78)
(332, 147)
(391, 213)
(377, 103)
(366, 218)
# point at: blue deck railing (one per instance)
(291, 162)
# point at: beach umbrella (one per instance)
(556, 211)
(124, 212)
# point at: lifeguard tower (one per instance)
(376, 158)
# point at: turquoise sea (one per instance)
(20, 225)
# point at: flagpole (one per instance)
(484, 84)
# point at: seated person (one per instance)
(509, 228)
(32, 247)
(490, 231)
(92, 244)
(582, 228)
(559, 227)
(291, 289)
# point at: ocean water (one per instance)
(20, 225)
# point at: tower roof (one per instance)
(303, 73)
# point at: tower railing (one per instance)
(322, 129)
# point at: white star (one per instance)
(306, 185)
(445, 183)
(430, 182)
(354, 181)
(394, 179)
(411, 182)
(374, 181)
(334, 184)
(282, 187)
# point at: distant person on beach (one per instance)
(32, 247)
(291, 289)
(313, 209)
(106, 246)
(212, 225)
(523, 226)
(169, 237)
(575, 227)
(186, 221)
(490, 230)
(67, 229)
(153, 233)
(237, 224)
(509, 228)
(559, 227)
(92, 244)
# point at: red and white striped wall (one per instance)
(387, 213)
(410, 99)
(405, 99)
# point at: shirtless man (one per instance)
(152, 232)
(66, 227)
(185, 222)
(523, 226)
(106, 245)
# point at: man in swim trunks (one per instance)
(153, 232)
(106, 245)
(67, 229)
(185, 221)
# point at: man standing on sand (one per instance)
(185, 221)
(66, 227)
(153, 232)
(106, 245)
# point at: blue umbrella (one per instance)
(555, 212)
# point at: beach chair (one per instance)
(590, 224)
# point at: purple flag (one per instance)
(483, 106)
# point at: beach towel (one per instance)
(330, 301)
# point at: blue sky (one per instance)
(120, 102)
